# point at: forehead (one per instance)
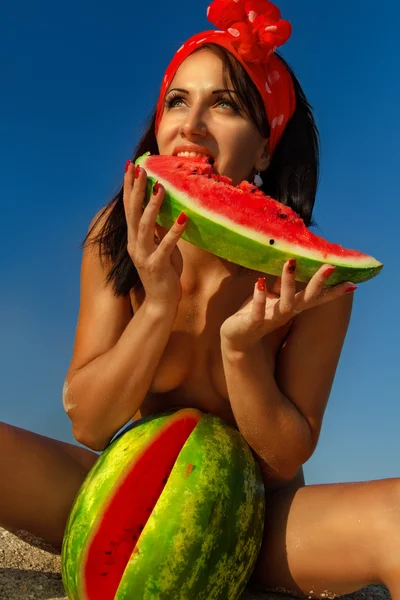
(203, 68)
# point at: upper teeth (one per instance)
(190, 154)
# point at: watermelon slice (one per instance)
(243, 225)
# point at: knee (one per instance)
(390, 498)
(387, 520)
(384, 510)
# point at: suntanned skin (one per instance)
(318, 539)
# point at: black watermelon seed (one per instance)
(272, 242)
(283, 216)
(109, 552)
(141, 527)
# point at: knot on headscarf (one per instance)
(256, 27)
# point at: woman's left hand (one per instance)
(266, 310)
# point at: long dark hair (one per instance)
(291, 178)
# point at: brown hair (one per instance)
(291, 178)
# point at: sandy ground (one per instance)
(26, 572)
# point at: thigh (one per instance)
(40, 478)
(326, 539)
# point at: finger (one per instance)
(127, 191)
(147, 224)
(317, 283)
(334, 292)
(328, 294)
(136, 179)
(287, 299)
(169, 241)
(259, 300)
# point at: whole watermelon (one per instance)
(173, 509)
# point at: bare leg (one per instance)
(40, 478)
(323, 540)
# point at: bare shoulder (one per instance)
(102, 315)
(308, 360)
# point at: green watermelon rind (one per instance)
(187, 520)
(223, 237)
(94, 495)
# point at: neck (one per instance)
(202, 268)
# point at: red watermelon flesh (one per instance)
(275, 219)
(243, 225)
(122, 522)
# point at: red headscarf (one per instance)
(251, 31)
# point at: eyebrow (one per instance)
(214, 92)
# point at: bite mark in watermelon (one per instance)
(243, 225)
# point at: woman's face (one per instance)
(198, 113)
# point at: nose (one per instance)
(194, 124)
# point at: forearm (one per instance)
(270, 423)
(107, 392)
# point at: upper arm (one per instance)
(307, 362)
(102, 316)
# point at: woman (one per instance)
(165, 324)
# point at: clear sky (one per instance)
(78, 81)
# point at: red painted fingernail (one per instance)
(137, 171)
(182, 219)
(329, 271)
(261, 284)
(156, 188)
(349, 289)
(128, 162)
(292, 265)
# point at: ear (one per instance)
(264, 160)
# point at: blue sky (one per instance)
(78, 83)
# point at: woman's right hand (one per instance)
(159, 265)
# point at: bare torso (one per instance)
(190, 372)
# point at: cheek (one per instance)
(241, 152)
(167, 132)
(243, 139)
(162, 138)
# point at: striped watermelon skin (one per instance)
(204, 534)
(246, 228)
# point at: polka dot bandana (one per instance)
(251, 30)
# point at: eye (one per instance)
(230, 103)
(172, 100)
